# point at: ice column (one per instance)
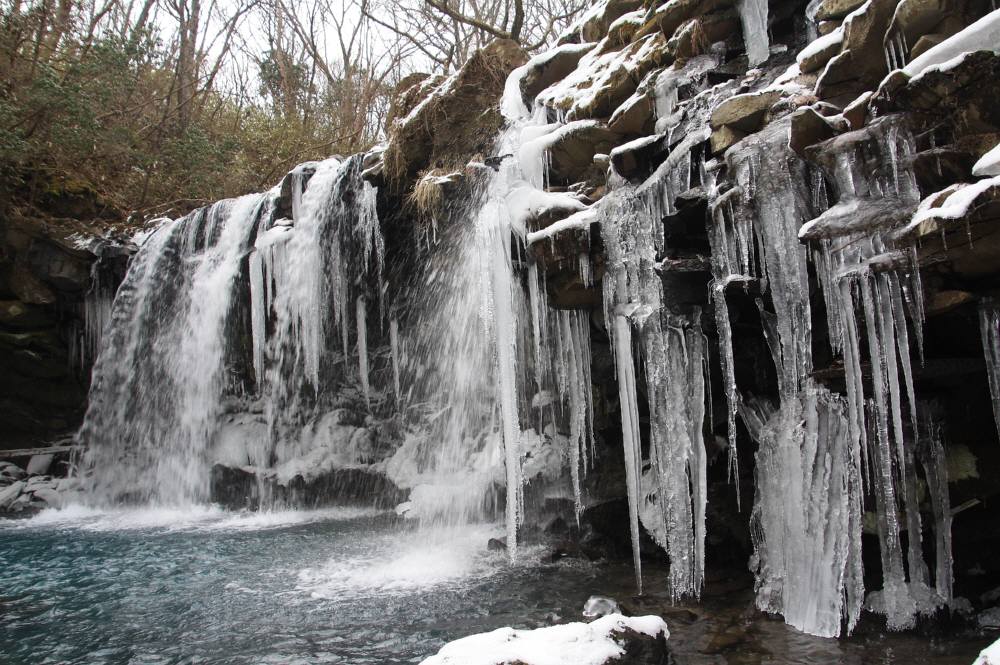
(362, 325)
(989, 328)
(753, 16)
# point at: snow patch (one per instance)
(988, 164)
(568, 644)
(984, 34)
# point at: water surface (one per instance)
(338, 586)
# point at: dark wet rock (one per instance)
(839, 79)
(826, 27)
(815, 61)
(240, 488)
(596, 93)
(667, 17)
(641, 649)
(695, 37)
(10, 472)
(29, 288)
(945, 301)
(572, 154)
(922, 24)
(637, 159)
(724, 138)
(863, 38)
(808, 127)
(856, 113)
(17, 315)
(858, 215)
(634, 117)
(598, 606)
(963, 94)
(557, 526)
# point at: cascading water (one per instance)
(230, 305)
(168, 330)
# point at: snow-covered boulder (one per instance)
(612, 639)
(990, 655)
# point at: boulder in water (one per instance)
(39, 465)
(599, 606)
(610, 640)
(496, 545)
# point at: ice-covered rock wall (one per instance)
(696, 158)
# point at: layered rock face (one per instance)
(57, 281)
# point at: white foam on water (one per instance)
(401, 563)
(182, 518)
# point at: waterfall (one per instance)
(235, 307)
(159, 381)
(467, 363)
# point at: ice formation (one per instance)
(753, 16)
(672, 348)
(96, 316)
(989, 329)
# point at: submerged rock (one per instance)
(10, 493)
(248, 487)
(39, 465)
(599, 606)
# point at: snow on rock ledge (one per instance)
(610, 639)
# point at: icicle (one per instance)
(534, 303)
(630, 433)
(989, 328)
(362, 325)
(258, 315)
(932, 458)
(97, 305)
(904, 454)
(394, 348)
(496, 242)
(575, 387)
(676, 387)
(371, 237)
(806, 512)
(730, 237)
(586, 269)
(727, 363)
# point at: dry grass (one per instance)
(450, 126)
(428, 193)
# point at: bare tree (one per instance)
(445, 32)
